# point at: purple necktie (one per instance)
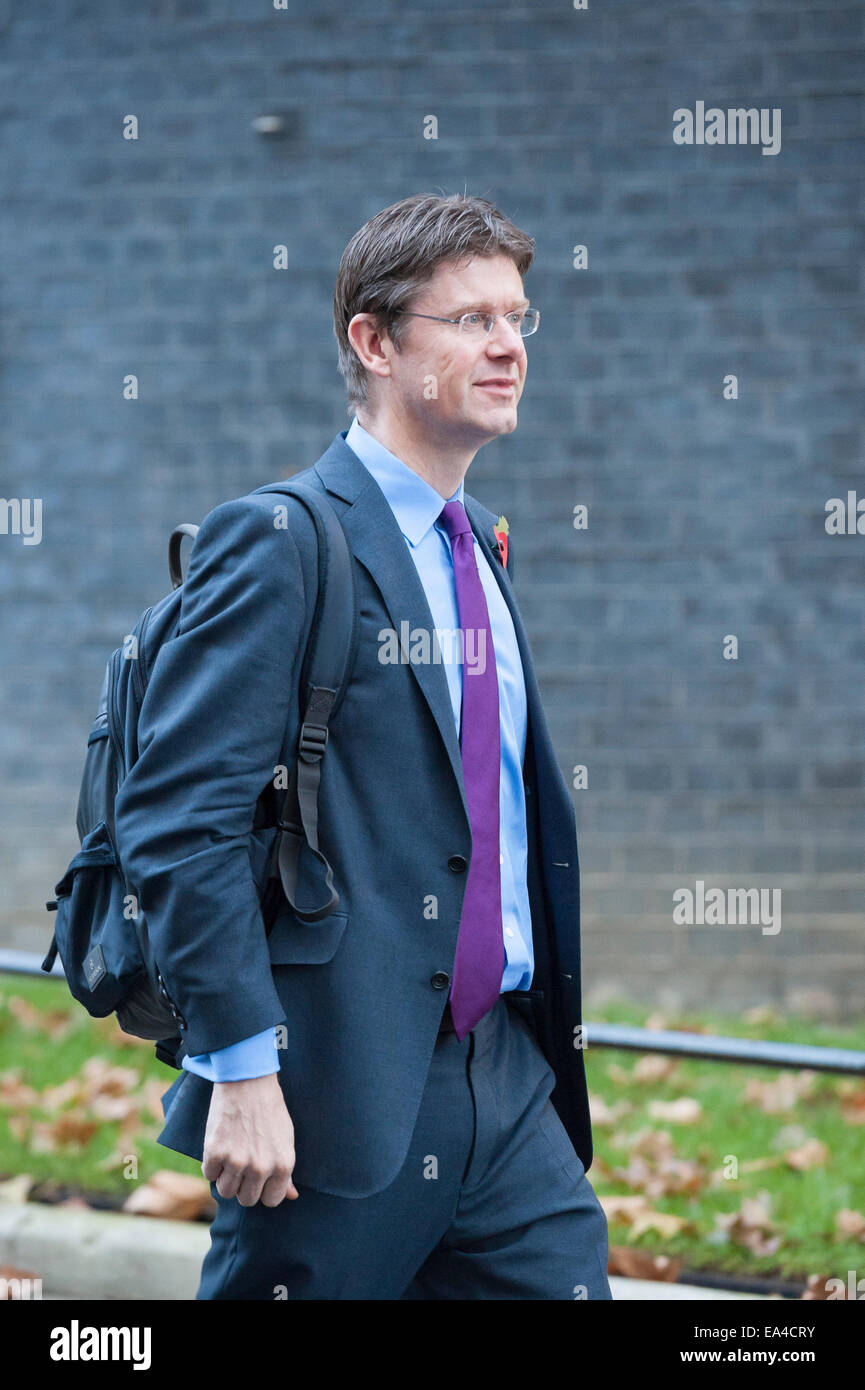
(480, 956)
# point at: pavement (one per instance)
(105, 1256)
(79, 1253)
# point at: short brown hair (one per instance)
(394, 254)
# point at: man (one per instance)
(429, 1068)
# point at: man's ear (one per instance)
(365, 332)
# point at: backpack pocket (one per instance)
(94, 931)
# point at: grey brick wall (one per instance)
(706, 516)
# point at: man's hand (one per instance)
(249, 1142)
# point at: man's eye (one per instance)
(516, 317)
(474, 318)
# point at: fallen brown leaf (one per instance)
(812, 1154)
(99, 1077)
(654, 1143)
(55, 1097)
(780, 1094)
(13, 1091)
(623, 1209)
(751, 1226)
(604, 1114)
(639, 1264)
(852, 1102)
(69, 1129)
(178, 1196)
(52, 1021)
(684, 1111)
(654, 1068)
(664, 1222)
(660, 1177)
(108, 1107)
(850, 1223)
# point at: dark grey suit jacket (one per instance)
(354, 992)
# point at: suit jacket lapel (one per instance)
(377, 542)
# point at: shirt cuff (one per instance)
(242, 1061)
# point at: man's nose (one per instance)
(505, 337)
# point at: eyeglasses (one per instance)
(524, 320)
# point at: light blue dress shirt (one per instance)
(417, 506)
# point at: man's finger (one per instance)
(276, 1190)
(249, 1190)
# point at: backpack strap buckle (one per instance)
(312, 741)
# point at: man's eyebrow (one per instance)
(485, 309)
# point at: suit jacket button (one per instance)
(440, 980)
(457, 864)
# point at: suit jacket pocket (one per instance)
(292, 942)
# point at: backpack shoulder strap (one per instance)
(327, 667)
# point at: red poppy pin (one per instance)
(501, 532)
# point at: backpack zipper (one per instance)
(138, 677)
(114, 714)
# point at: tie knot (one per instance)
(455, 519)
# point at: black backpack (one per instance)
(100, 932)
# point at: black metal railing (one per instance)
(703, 1046)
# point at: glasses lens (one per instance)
(483, 323)
(473, 323)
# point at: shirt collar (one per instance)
(413, 501)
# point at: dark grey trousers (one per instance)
(492, 1201)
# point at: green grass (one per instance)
(803, 1203)
(42, 1061)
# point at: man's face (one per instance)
(462, 387)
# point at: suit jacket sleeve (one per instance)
(211, 732)
(251, 1057)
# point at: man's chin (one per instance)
(501, 419)
(505, 419)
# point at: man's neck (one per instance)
(442, 467)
